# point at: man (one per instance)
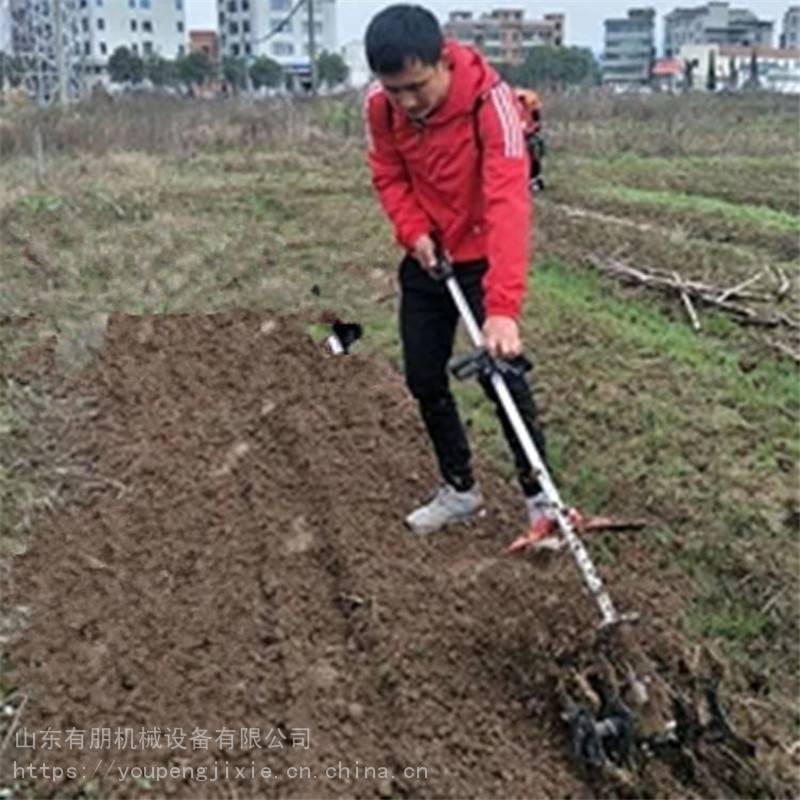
(450, 166)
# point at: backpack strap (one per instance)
(476, 109)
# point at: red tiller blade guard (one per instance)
(548, 527)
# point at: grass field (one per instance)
(697, 431)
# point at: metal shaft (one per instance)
(581, 556)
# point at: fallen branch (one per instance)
(787, 351)
(688, 304)
(746, 316)
(735, 290)
(772, 601)
(788, 321)
(784, 284)
(699, 292)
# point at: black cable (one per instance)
(279, 29)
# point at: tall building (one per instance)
(91, 30)
(629, 49)
(714, 23)
(278, 29)
(146, 27)
(504, 35)
(790, 34)
(5, 27)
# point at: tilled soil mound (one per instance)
(240, 568)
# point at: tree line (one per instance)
(125, 66)
(544, 67)
(555, 68)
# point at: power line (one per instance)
(280, 26)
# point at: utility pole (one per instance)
(312, 47)
(61, 69)
(44, 39)
(248, 79)
(248, 55)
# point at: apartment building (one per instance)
(5, 27)
(629, 50)
(504, 35)
(146, 27)
(790, 33)
(94, 29)
(253, 28)
(714, 23)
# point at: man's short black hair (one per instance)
(403, 33)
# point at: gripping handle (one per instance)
(469, 364)
(443, 270)
(444, 267)
(479, 362)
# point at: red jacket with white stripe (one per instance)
(462, 174)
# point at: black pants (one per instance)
(428, 320)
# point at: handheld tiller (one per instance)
(480, 362)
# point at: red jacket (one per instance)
(436, 176)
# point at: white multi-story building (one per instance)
(253, 28)
(790, 35)
(5, 27)
(714, 23)
(146, 27)
(91, 31)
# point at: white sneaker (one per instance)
(544, 529)
(448, 505)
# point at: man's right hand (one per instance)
(425, 252)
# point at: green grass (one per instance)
(696, 434)
(763, 181)
(738, 624)
(695, 171)
(697, 204)
(636, 163)
(560, 289)
(41, 203)
(725, 608)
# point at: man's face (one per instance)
(419, 88)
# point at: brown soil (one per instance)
(238, 560)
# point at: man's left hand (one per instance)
(501, 335)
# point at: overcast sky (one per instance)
(584, 23)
